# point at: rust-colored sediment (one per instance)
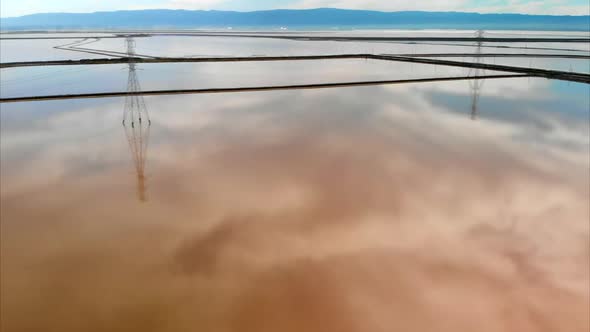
(266, 223)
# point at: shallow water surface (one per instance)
(411, 207)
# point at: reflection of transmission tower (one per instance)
(476, 83)
(135, 110)
(136, 122)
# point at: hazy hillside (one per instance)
(296, 18)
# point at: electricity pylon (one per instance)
(476, 83)
(136, 122)
(135, 109)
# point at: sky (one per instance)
(10, 8)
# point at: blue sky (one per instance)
(10, 8)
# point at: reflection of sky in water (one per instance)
(567, 65)
(177, 46)
(100, 78)
(218, 46)
(533, 104)
(374, 208)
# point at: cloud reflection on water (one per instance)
(357, 209)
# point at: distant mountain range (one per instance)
(296, 19)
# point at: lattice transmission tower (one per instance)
(136, 122)
(476, 83)
(135, 109)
